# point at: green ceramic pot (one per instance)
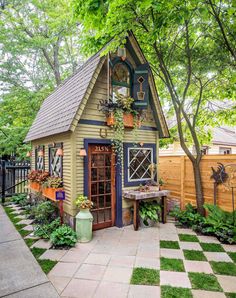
(84, 224)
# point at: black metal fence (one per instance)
(13, 178)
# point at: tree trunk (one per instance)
(198, 187)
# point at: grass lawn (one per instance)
(214, 247)
(172, 265)
(203, 281)
(188, 238)
(145, 276)
(194, 255)
(169, 244)
(230, 295)
(224, 268)
(37, 252)
(232, 256)
(30, 241)
(171, 292)
(47, 265)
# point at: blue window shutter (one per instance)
(141, 86)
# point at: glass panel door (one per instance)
(101, 185)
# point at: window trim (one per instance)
(116, 61)
(225, 148)
(56, 146)
(128, 146)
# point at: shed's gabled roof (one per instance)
(59, 109)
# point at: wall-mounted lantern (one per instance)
(40, 153)
(29, 154)
(121, 52)
(59, 152)
(82, 152)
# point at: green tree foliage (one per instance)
(39, 47)
(183, 43)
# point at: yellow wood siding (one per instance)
(91, 112)
(68, 163)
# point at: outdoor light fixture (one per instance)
(40, 153)
(29, 154)
(82, 152)
(59, 152)
(121, 52)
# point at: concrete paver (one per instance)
(20, 274)
(228, 283)
(137, 291)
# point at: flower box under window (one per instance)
(50, 192)
(35, 186)
(127, 118)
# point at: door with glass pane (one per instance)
(102, 185)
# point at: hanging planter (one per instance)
(35, 186)
(51, 186)
(50, 192)
(128, 120)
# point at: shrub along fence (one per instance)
(177, 174)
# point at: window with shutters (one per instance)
(55, 161)
(121, 80)
(39, 158)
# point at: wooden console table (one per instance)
(137, 196)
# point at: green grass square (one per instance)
(194, 255)
(188, 238)
(169, 244)
(37, 252)
(224, 268)
(145, 276)
(30, 241)
(47, 265)
(172, 265)
(213, 247)
(230, 295)
(173, 292)
(203, 281)
(232, 256)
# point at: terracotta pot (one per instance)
(50, 192)
(111, 120)
(35, 186)
(127, 118)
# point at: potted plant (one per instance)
(84, 219)
(161, 183)
(50, 186)
(33, 183)
(149, 213)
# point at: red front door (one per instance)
(102, 185)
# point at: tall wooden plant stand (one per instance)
(137, 196)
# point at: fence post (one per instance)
(3, 180)
(182, 179)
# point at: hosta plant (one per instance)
(44, 231)
(63, 236)
(149, 211)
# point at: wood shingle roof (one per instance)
(59, 108)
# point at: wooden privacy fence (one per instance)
(177, 174)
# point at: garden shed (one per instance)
(99, 131)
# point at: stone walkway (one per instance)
(103, 267)
(20, 274)
(188, 265)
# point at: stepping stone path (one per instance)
(104, 266)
